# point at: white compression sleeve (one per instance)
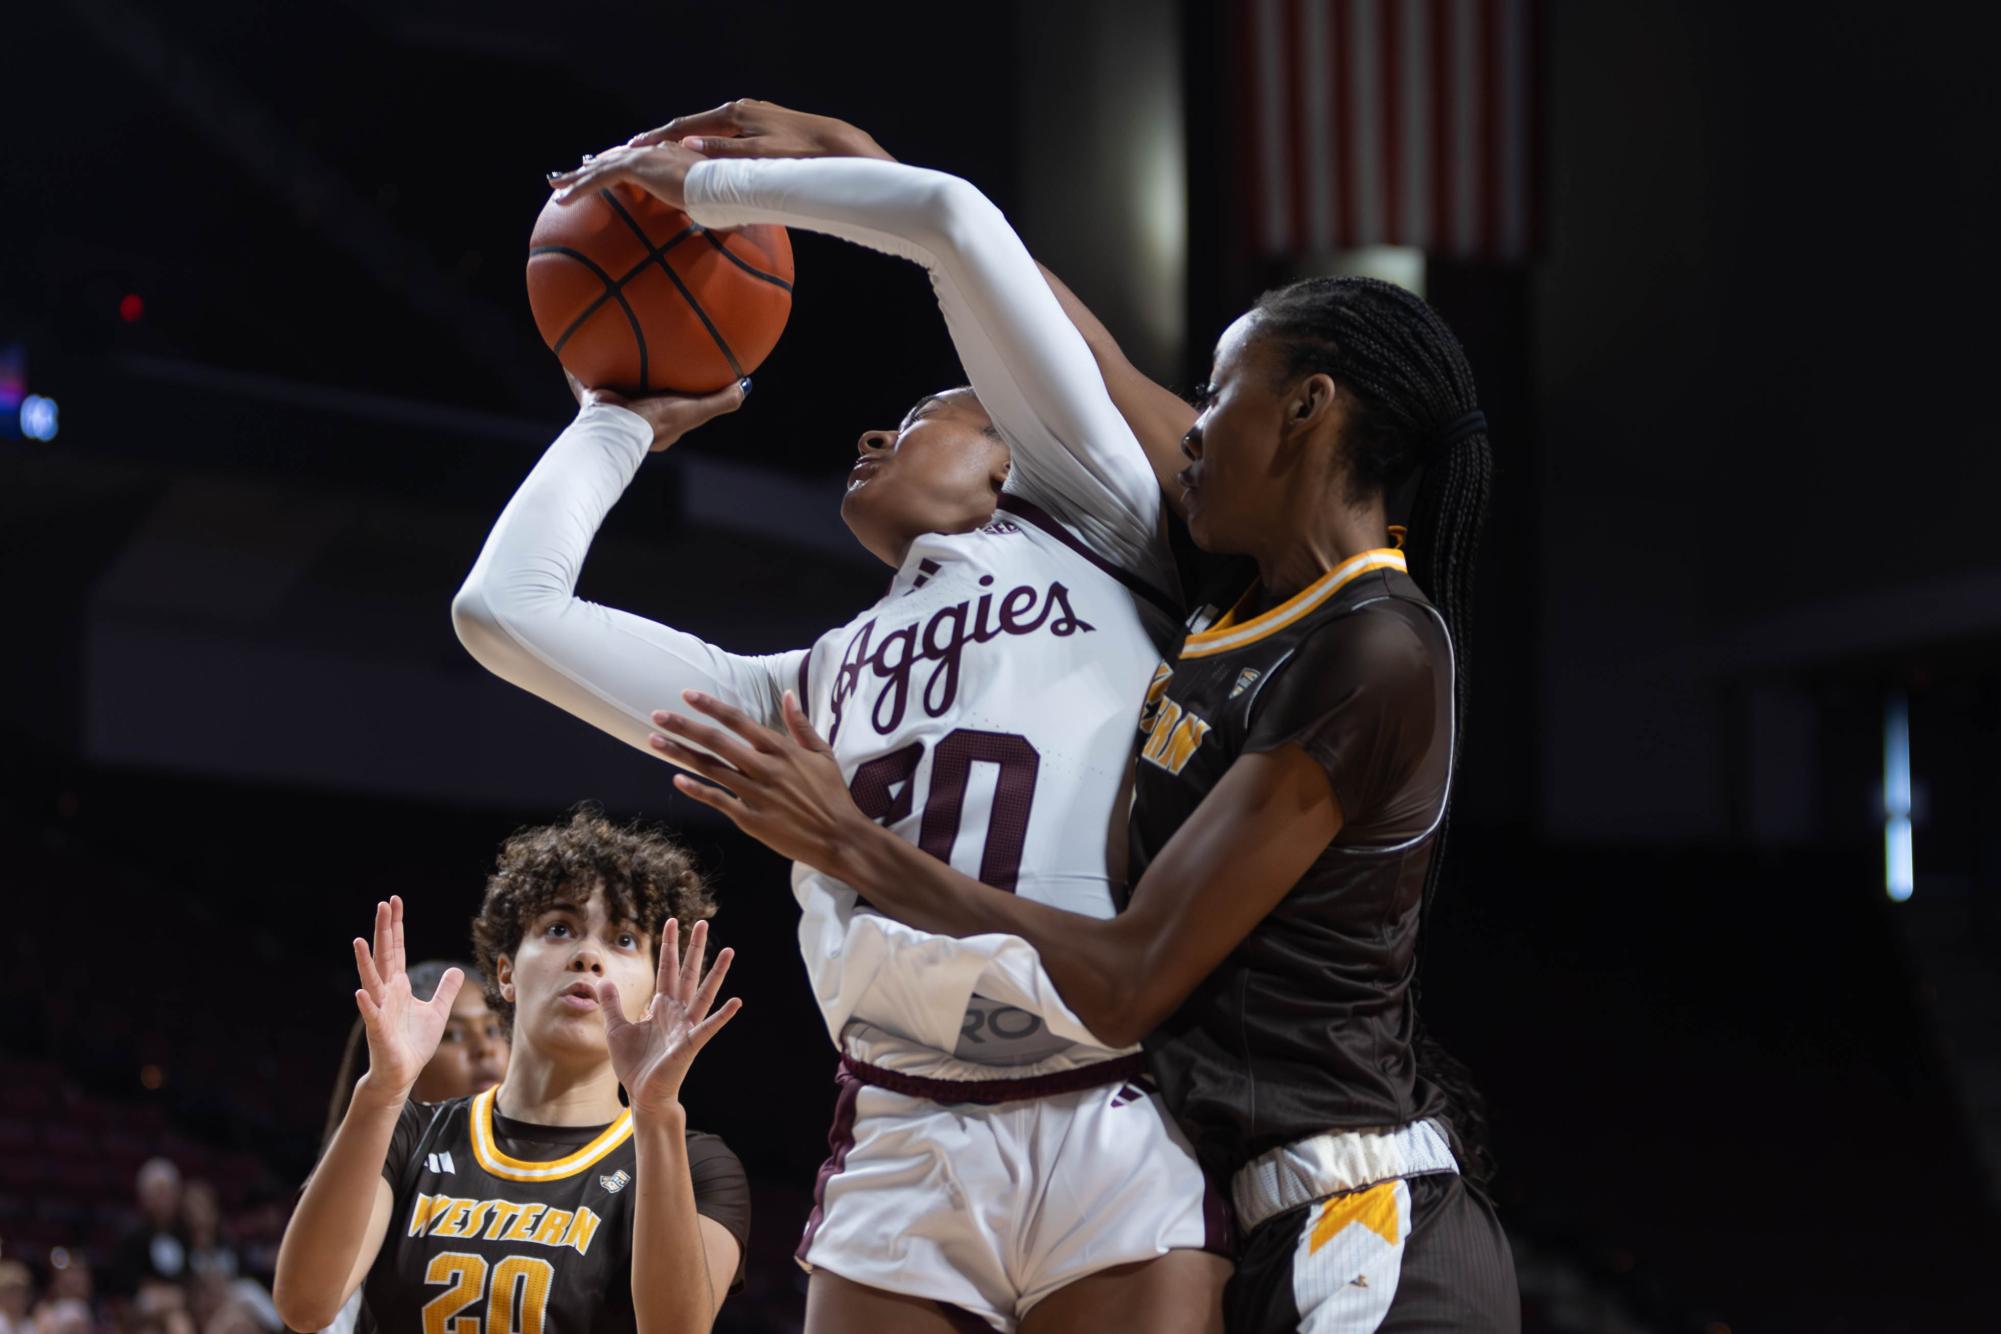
(1073, 453)
(519, 615)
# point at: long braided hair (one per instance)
(1413, 412)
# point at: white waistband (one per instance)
(1312, 1169)
(871, 1045)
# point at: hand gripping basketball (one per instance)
(670, 415)
(631, 293)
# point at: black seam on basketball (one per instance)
(730, 255)
(611, 290)
(624, 278)
(722, 344)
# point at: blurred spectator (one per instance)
(158, 1297)
(62, 1315)
(17, 1294)
(234, 1318)
(156, 1248)
(217, 1301)
(70, 1279)
(210, 1250)
(207, 1294)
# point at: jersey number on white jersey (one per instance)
(885, 789)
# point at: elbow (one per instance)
(1120, 1019)
(953, 212)
(472, 619)
(480, 625)
(1119, 1029)
(302, 1311)
(1128, 998)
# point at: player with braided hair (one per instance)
(1296, 762)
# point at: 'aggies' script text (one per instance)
(503, 1220)
(939, 641)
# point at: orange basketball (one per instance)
(631, 295)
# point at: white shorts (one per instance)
(993, 1207)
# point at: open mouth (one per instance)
(578, 996)
(862, 471)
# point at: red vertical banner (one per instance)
(1405, 122)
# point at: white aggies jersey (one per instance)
(983, 710)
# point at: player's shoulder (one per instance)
(1387, 629)
(707, 1151)
(1017, 516)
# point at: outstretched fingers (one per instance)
(448, 991)
(690, 978)
(364, 967)
(754, 733)
(738, 748)
(699, 1035)
(663, 983)
(705, 995)
(719, 120)
(612, 165)
(709, 795)
(610, 1009)
(399, 963)
(800, 726)
(385, 945)
(695, 761)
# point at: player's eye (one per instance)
(558, 928)
(627, 941)
(453, 1033)
(1202, 395)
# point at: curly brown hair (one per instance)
(647, 877)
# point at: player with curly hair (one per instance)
(524, 1205)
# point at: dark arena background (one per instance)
(1720, 933)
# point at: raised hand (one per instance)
(651, 1055)
(748, 127)
(670, 415)
(403, 1032)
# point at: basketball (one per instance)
(632, 295)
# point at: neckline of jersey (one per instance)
(509, 1127)
(486, 1149)
(1228, 633)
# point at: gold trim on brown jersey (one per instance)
(487, 1150)
(1228, 633)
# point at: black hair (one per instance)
(424, 979)
(646, 876)
(1411, 394)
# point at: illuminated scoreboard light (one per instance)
(22, 414)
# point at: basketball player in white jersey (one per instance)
(991, 1155)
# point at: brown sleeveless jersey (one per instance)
(483, 1241)
(1307, 1026)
